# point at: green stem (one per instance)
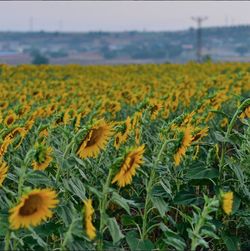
(149, 188)
(68, 147)
(24, 167)
(21, 179)
(102, 207)
(67, 235)
(229, 129)
(7, 241)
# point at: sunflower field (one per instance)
(136, 157)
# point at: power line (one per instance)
(199, 21)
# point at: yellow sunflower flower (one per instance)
(185, 143)
(33, 208)
(10, 119)
(42, 157)
(227, 202)
(89, 211)
(95, 140)
(3, 171)
(245, 113)
(131, 162)
(5, 144)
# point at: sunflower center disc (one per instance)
(31, 205)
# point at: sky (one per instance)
(118, 15)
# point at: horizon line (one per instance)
(121, 31)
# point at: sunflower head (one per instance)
(88, 214)
(42, 157)
(3, 171)
(10, 119)
(33, 208)
(227, 202)
(185, 140)
(133, 159)
(95, 140)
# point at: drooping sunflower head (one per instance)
(95, 140)
(88, 214)
(200, 133)
(33, 208)
(227, 202)
(3, 171)
(131, 163)
(245, 113)
(118, 140)
(185, 141)
(43, 157)
(155, 108)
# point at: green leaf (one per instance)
(172, 239)
(236, 203)
(160, 204)
(95, 191)
(219, 136)
(119, 200)
(76, 187)
(231, 242)
(39, 240)
(4, 224)
(38, 178)
(114, 230)
(186, 198)
(202, 173)
(137, 244)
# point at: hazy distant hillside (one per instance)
(219, 43)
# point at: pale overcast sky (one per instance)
(118, 15)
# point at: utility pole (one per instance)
(199, 21)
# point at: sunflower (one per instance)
(131, 162)
(227, 202)
(5, 144)
(122, 136)
(200, 134)
(155, 108)
(33, 208)
(78, 120)
(42, 157)
(10, 119)
(186, 141)
(89, 211)
(224, 122)
(3, 171)
(118, 140)
(245, 113)
(95, 140)
(13, 135)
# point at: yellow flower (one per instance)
(131, 162)
(185, 143)
(155, 108)
(95, 140)
(10, 119)
(5, 144)
(42, 157)
(200, 134)
(33, 208)
(245, 113)
(3, 171)
(224, 122)
(227, 202)
(118, 140)
(89, 211)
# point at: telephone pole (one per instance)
(199, 21)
